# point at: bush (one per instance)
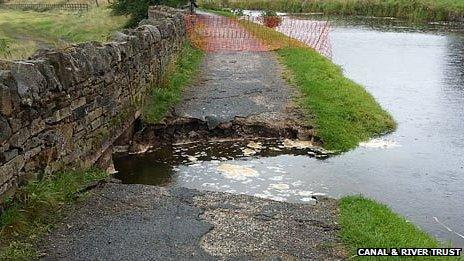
(138, 9)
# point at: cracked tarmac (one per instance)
(140, 222)
(240, 84)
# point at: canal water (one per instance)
(417, 74)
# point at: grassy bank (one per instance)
(23, 32)
(366, 223)
(414, 10)
(343, 112)
(179, 75)
(36, 207)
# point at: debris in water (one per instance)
(380, 144)
(192, 158)
(269, 196)
(237, 172)
(305, 193)
(308, 200)
(255, 145)
(213, 185)
(280, 186)
(277, 178)
(248, 152)
(447, 228)
(298, 144)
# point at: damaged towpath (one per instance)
(138, 222)
(241, 85)
(240, 92)
(141, 222)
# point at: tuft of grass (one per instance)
(366, 223)
(26, 31)
(181, 73)
(413, 10)
(36, 207)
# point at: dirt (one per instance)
(239, 95)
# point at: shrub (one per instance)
(138, 9)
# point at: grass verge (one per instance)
(413, 10)
(342, 111)
(36, 207)
(23, 32)
(179, 75)
(366, 223)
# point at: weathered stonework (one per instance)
(65, 108)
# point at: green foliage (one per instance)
(268, 13)
(138, 9)
(238, 12)
(414, 10)
(366, 223)
(36, 207)
(5, 49)
(179, 75)
(343, 112)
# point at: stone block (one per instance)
(30, 82)
(5, 130)
(8, 155)
(59, 115)
(11, 168)
(77, 103)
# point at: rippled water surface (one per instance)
(417, 75)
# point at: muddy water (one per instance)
(417, 75)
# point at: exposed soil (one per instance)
(239, 95)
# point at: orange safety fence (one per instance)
(217, 33)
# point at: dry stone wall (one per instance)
(65, 108)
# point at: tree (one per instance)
(138, 9)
